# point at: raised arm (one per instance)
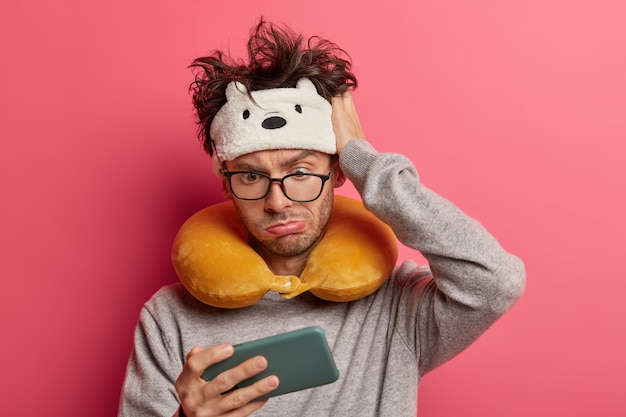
(474, 279)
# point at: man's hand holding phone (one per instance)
(225, 378)
(214, 397)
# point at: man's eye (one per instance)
(300, 174)
(250, 176)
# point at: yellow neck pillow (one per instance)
(214, 262)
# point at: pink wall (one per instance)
(514, 110)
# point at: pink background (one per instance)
(514, 110)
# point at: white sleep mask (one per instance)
(278, 118)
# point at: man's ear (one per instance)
(338, 176)
(226, 188)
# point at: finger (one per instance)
(341, 101)
(246, 410)
(227, 380)
(243, 398)
(343, 109)
(198, 359)
(345, 119)
(347, 97)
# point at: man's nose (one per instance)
(276, 200)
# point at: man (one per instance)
(382, 343)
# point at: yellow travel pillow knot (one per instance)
(214, 262)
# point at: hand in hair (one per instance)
(345, 120)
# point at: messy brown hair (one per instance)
(278, 57)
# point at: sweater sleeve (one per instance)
(151, 372)
(474, 280)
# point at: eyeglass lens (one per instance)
(296, 187)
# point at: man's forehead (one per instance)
(279, 157)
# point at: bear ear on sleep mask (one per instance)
(278, 118)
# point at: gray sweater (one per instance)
(382, 344)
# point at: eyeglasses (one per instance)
(301, 188)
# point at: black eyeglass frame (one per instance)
(324, 178)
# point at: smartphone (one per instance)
(300, 359)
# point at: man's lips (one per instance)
(282, 229)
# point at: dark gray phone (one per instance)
(300, 359)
